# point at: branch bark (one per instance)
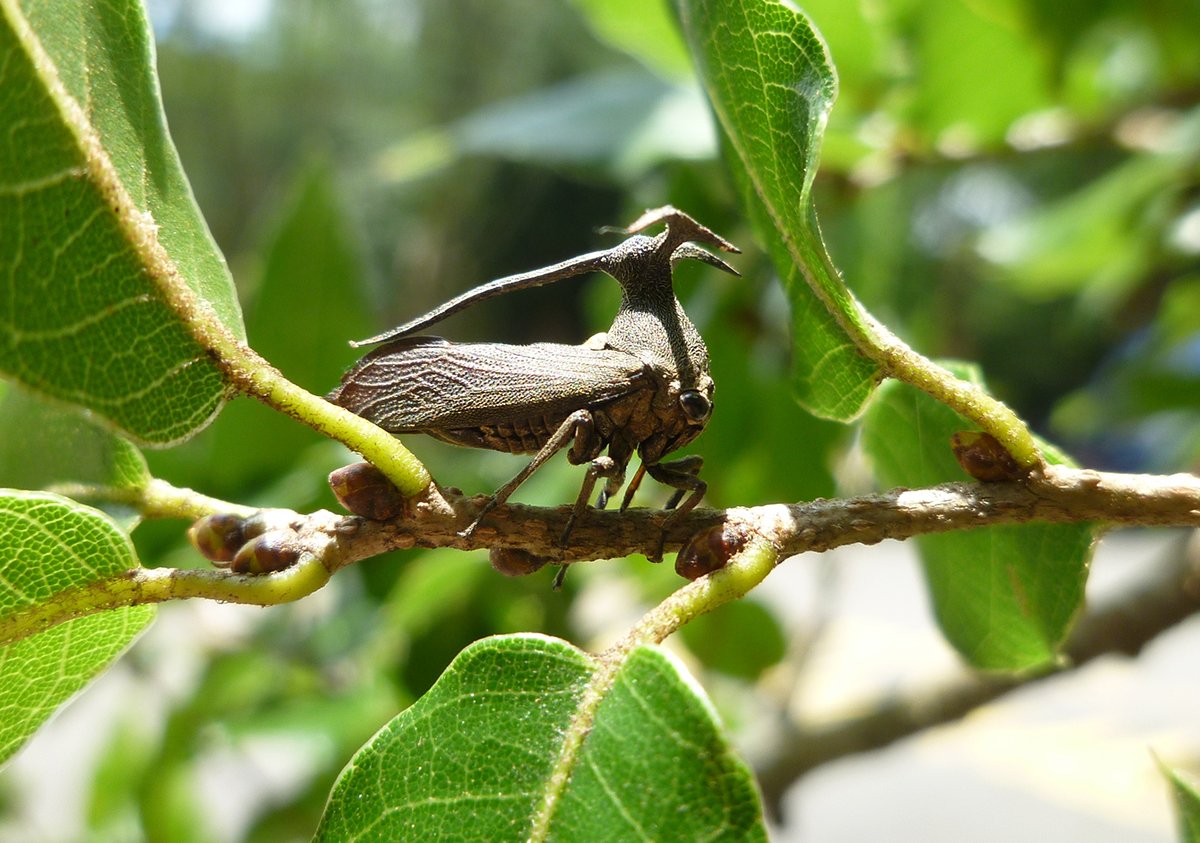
(310, 548)
(1052, 494)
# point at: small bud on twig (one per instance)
(709, 551)
(983, 457)
(365, 491)
(266, 554)
(218, 537)
(513, 562)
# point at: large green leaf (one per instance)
(1004, 596)
(772, 86)
(475, 758)
(99, 224)
(52, 544)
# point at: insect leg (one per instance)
(579, 423)
(633, 487)
(599, 467)
(682, 475)
(691, 465)
(619, 450)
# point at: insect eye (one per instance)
(695, 406)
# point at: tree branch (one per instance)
(1053, 494)
(323, 542)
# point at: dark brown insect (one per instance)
(642, 387)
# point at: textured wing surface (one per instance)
(426, 383)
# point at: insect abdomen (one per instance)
(521, 436)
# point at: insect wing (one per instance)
(426, 383)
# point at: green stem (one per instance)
(253, 376)
(155, 585)
(967, 399)
(898, 360)
(745, 571)
(156, 499)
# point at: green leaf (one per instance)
(772, 86)
(44, 446)
(100, 225)
(741, 639)
(474, 758)
(1186, 795)
(52, 544)
(1003, 596)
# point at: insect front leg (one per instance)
(578, 424)
(680, 474)
(690, 464)
(633, 486)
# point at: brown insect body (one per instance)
(642, 387)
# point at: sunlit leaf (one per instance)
(475, 757)
(100, 225)
(52, 544)
(771, 85)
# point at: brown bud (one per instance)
(218, 536)
(365, 491)
(983, 457)
(515, 563)
(266, 554)
(709, 551)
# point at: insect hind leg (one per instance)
(578, 426)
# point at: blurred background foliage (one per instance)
(1011, 182)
